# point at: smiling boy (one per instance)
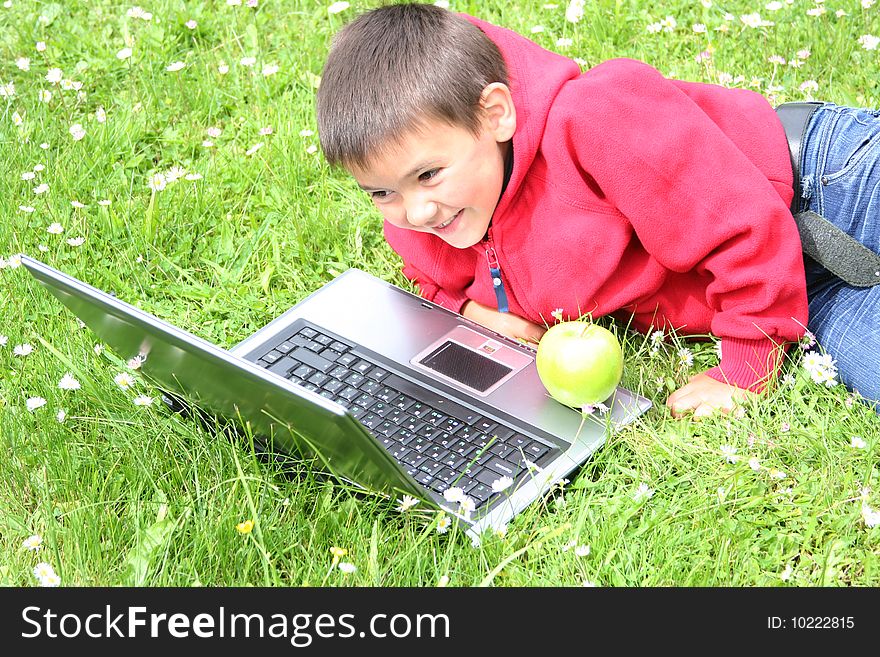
(512, 184)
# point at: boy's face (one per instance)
(442, 179)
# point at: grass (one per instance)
(133, 495)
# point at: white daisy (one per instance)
(67, 382)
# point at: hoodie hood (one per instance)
(536, 77)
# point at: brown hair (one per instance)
(393, 69)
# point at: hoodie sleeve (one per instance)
(441, 272)
(657, 150)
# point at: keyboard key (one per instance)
(340, 372)
(339, 346)
(486, 426)
(435, 418)
(500, 450)
(330, 354)
(303, 372)
(370, 387)
(438, 453)
(381, 408)
(364, 400)
(387, 394)
(535, 450)
(318, 379)
(488, 477)
(453, 461)
(346, 359)
(371, 420)
(377, 373)
(420, 410)
(362, 367)
(418, 443)
(311, 359)
(447, 474)
(403, 402)
(405, 437)
(386, 429)
(502, 467)
(285, 347)
(413, 425)
(283, 366)
(323, 340)
(397, 416)
(480, 493)
(272, 357)
(431, 467)
(334, 386)
(414, 459)
(349, 393)
(450, 424)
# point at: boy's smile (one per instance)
(441, 179)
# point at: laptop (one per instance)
(380, 387)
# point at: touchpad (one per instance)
(471, 360)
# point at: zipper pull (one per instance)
(497, 283)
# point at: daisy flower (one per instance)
(643, 492)
(337, 7)
(453, 494)
(503, 483)
(407, 502)
(67, 382)
(729, 453)
(33, 542)
(124, 380)
(33, 403)
(22, 350)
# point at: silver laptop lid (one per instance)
(298, 421)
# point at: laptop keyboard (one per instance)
(439, 448)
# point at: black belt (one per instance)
(828, 245)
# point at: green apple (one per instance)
(579, 363)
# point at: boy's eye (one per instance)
(378, 194)
(427, 175)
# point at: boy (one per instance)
(512, 184)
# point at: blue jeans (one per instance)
(840, 180)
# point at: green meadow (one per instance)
(168, 153)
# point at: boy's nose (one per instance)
(420, 212)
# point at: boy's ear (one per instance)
(499, 113)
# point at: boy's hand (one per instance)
(503, 323)
(703, 396)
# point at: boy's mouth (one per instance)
(446, 224)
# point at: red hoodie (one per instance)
(632, 194)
